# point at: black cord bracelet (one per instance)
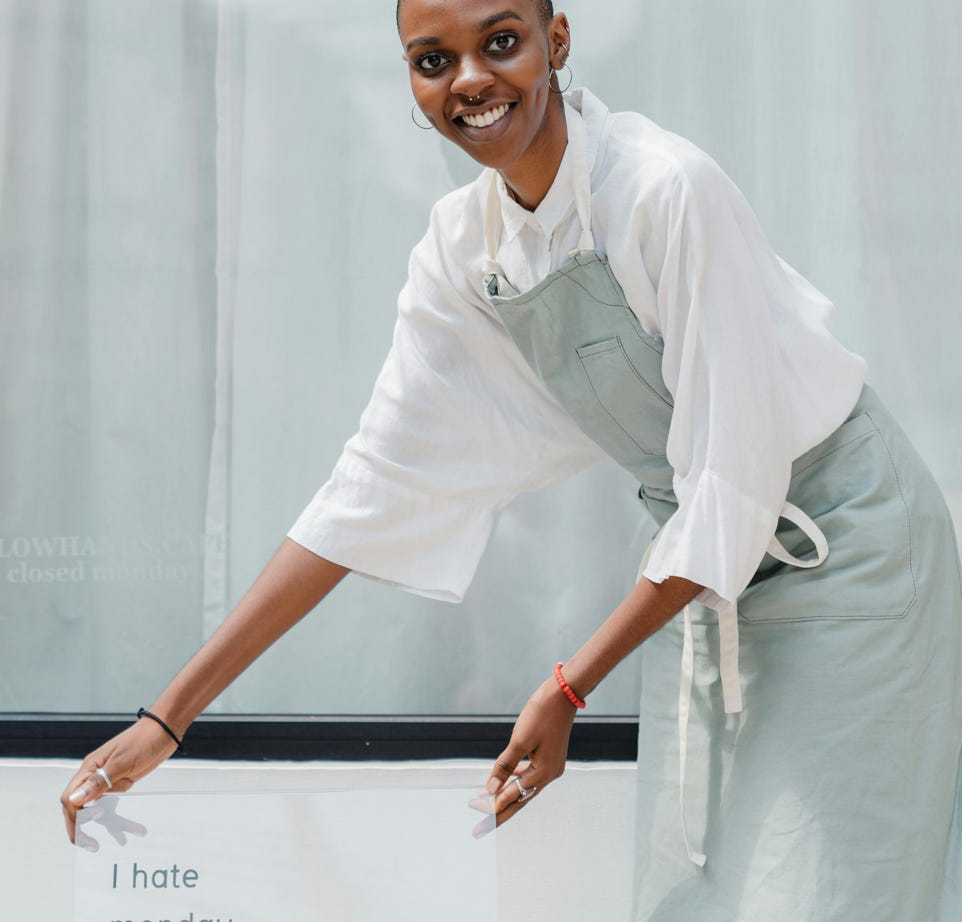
(143, 712)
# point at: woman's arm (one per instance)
(292, 583)
(542, 730)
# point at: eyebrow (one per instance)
(498, 17)
(483, 26)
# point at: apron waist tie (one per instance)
(684, 710)
(728, 655)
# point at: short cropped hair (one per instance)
(545, 11)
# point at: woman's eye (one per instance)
(431, 61)
(504, 41)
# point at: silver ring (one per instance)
(103, 774)
(523, 791)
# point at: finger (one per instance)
(70, 820)
(68, 806)
(520, 788)
(510, 811)
(490, 823)
(486, 825)
(483, 803)
(504, 766)
(68, 809)
(92, 787)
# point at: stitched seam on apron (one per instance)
(958, 557)
(574, 281)
(529, 296)
(615, 421)
(828, 454)
(542, 287)
(642, 339)
(908, 516)
(634, 323)
(634, 371)
(809, 619)
(523, 299)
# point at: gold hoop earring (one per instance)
(416, 122)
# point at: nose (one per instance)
(472, 77)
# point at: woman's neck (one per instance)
(529, 179)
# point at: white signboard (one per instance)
(353, 856)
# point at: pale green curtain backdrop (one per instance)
(205, 215)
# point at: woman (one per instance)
(603, 288)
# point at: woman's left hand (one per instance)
(540, 736)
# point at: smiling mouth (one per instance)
(485, 119)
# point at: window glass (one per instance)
(206, 214)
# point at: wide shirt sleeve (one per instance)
(456, 427)
(755, 374)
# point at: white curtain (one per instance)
(205, 215)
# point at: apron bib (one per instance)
(829, 797)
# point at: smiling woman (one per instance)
(602, 288)
(483, 74)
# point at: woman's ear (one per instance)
(559, 40)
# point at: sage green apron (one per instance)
(835, 794)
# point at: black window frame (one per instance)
(287, 737)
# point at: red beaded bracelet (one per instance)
(566, 688)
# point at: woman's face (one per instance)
(480, 72)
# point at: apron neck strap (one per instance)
(580, 177)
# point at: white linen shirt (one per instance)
(458, 424)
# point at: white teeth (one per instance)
(484, 119)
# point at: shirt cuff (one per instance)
(426, 544)
(716, 538)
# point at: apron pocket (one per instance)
(615, 381)
(850, 487)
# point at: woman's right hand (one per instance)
(125, 759)
(292, 583)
